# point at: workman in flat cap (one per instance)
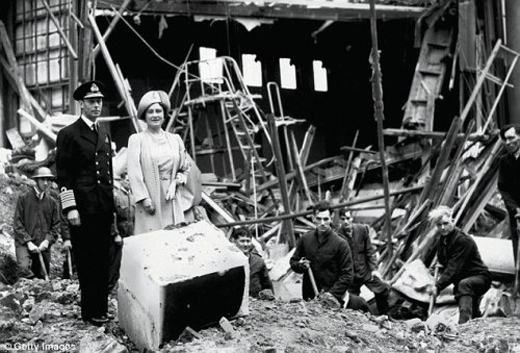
(85, 180)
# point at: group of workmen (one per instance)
(335, 260)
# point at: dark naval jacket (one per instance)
(84, 169)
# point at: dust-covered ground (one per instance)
(38, 315)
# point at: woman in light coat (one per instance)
(158, 166)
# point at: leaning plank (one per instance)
(280, 171)
(299, 168)
(111, 27)
(13, 64)
(41, 127)
(20, 87)
(219, 209)
(346, 178)
(292, 175)
(60, 30)
(304, 156)
(130, 106)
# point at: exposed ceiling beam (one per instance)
(335, 10)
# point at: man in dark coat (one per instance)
(36, 225)
(329, 258)
(84, 171)
(125, 211)
(259, 280)
(365, 262)
(462, 265)
(508, 174)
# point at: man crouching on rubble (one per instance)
(260, 284)
(457, 252)
(364, 259)
(325, 256)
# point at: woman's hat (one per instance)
(153, 97)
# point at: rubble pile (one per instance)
(11, 186)
(38, 313)
(44, 315)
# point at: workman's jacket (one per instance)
(363, 252)
(330, 261)
(84, 169)
(508, 172)
(258, 275)
(125, 211)
(36, 219)
(457, 252)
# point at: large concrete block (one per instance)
(170, 279)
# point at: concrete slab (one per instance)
(170, 279)
(497, 254)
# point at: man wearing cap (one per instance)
(84, 171)
(36, 225)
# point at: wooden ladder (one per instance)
(430, 71)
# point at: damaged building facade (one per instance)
(274, 101)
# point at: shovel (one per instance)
(313, 281)
(434, 297)
(69, 263)
(42, 265)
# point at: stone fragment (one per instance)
(370, 327)
(98, 342)
(10, 301)
(188, 335)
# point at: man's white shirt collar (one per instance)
(39, 194)
(89, 123)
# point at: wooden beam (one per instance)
(292, 175)
(280, 171)
(13, 64)
(305, 213)
(346, 178)
(219, 209)
(111, 27)
(354, 149)
(60, 30)
(41, 127)
(299, 168)
(129, 104)
(431, 134)
(15, 84)
(334, 10)
(304, 156)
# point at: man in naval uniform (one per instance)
(84, 172)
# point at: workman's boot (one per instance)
(476, 308)
(382, 302)
(465, 309)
